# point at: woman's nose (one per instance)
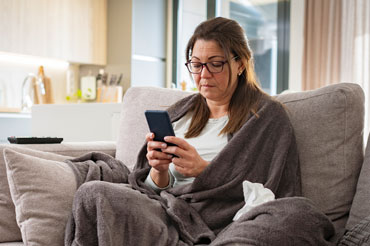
(205, 72)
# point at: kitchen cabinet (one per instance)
(136, 46)
(75, 31)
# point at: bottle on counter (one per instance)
(88, 87)
(70, 84)
(100, 83)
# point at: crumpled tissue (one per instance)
(254, 194)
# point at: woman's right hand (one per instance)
(159, 161)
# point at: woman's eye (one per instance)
(216, 64)
(196, 65)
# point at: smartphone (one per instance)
(159, 123)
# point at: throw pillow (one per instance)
(42, 192)
(9, 230)
(361, 202)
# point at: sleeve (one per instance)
(149, 181)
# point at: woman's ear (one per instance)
(241, 68)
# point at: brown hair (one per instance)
(232, 40)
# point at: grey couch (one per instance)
(328, 123)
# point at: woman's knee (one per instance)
(88, 192)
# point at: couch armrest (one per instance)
(73, 149)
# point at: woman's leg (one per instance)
(114, 214)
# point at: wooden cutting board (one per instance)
(9, 110)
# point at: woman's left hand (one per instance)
(188, 162)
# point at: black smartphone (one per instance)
(159, 124)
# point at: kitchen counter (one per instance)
(77, 122)
(10, 110)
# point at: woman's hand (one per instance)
(188, 162)
(159, 161)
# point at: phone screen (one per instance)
(159, 123)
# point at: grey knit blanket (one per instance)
(262, 151)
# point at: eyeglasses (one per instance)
(212, 67)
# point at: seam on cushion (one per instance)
(345, 134)
(21, 206)
(83, 152)
(340, 89)
(308, 98)
(72, 151)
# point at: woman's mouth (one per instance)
(207, 86)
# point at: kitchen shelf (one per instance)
(15, 115)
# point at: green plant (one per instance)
(76, 96)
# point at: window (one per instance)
(266, 24)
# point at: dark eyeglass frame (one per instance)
(204, 64)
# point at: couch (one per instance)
(37, 188)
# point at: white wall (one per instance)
(296, 44)
(12, 75)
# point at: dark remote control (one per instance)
(34, 140)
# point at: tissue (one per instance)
(254, 194)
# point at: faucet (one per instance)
(28, 93)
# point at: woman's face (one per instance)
(214, 86)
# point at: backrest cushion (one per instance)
(361, 202)
(328, 124)
(133, 125)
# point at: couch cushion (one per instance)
(9, 230)
(133, 126)
(328, 124)
(361, 202)
(42, 191)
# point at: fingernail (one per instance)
(169, 156)
(164, 145)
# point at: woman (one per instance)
(222, 67)
(227, 133)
